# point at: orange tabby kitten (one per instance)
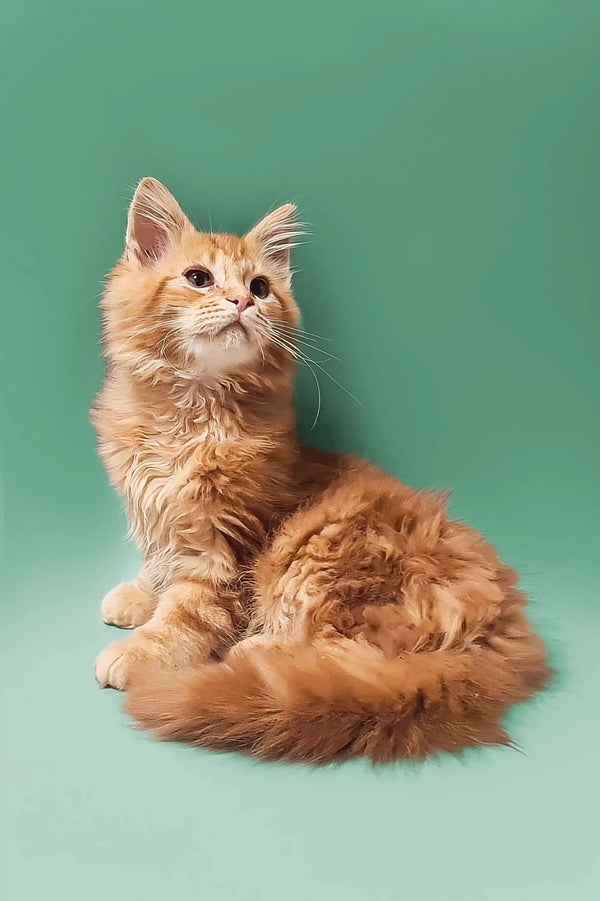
(293, 604)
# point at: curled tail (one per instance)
(332, 701)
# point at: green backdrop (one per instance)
(446, 156)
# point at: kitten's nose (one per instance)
(242, 302)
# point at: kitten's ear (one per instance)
(155, 220)
(275, 236)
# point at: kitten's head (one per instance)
(197, 305)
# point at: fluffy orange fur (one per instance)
(293, 604)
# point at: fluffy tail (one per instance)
(329, 702)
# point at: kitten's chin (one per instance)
(224, 354)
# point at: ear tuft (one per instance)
(276, 234)
(154, 222)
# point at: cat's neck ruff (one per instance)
(250, 401)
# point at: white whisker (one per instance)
(304, 358)
(283, 323)
(307, 344)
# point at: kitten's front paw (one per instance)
(116, 662)
(127, 606)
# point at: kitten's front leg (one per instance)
(129, 604)
(188, 626)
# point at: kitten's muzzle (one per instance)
(241, 302)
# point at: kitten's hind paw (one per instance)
(114, 665)
(128, 606)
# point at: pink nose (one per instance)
(242, 302)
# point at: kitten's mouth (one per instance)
(233, 345)
(232, 327)
(233, 333)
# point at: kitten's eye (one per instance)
(260, 287)
(199, 278)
